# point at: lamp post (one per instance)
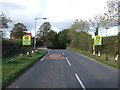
(106, 48)
(35, 31)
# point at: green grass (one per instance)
(12, 69)
(110, 61)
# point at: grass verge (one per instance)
(13, 67)
(110, 62)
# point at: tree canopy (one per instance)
(4, 21)
(112, 11)
(51, 39)
(100, 22)
(112, 6)
(80, 25)
(18, 30)
(64, 38)
(43, 31)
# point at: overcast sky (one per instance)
(60, 13)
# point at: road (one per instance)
(62, 68)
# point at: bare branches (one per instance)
(4, 21)
(81, 25)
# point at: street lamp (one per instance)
(106, 48)
(35, 32)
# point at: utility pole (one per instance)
(106, 47)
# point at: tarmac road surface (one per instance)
(62, 68)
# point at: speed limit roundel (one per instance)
(97, 38)
(26, 37)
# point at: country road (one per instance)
(62, 68)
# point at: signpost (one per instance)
(26, 40)
(97, 41)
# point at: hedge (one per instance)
(13, 47)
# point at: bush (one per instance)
(81, 40)
(110, 45)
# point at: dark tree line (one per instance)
(58, 41)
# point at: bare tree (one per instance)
(112, 11)
(112, 6)
(4, 23)
(100, 22)
(81, 25)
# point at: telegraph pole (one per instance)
(106, 47)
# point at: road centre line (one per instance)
(49, 50)
(62, 52)
(44, 57)
(68, 61)
(80, 82)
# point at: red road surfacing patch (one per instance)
(55, 56)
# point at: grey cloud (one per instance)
(11, 5)
(60, 25)
(63, 25)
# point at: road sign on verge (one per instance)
(97, 40)
(26, 40)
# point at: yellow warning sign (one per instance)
(98, 40)
(26, 40)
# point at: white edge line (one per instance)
(80, 82)
(86, 57)
(44, 56)
(49, 50)
(68, 61)
(91, 58)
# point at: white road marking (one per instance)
(83, 55)
(55, 55)
(16, 87)
(91, 58)
(68, 61)
(80, 82)
(88, 58)
(63, 53)
(49, 50)
(44, 57)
